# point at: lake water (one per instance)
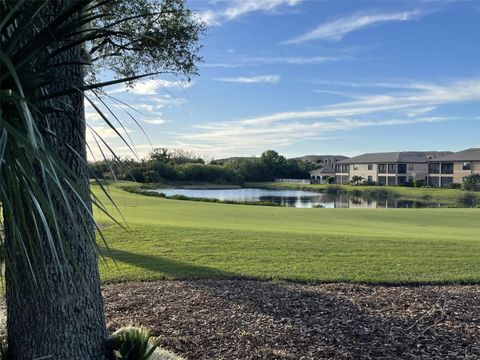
(295, 198)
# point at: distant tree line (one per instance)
(179, 165)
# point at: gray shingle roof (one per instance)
(329, 169)
(396, 157)
(472, 154)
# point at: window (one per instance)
(467, 166)
(447, 168)
(402, 168)
(434, 168)
(433, 181)
(382, 168)
(355, 166)
(382, 180)
(392, 168)
(344, 168)
(370, 179)
(410, 167)
(370, 166)
(446, 180)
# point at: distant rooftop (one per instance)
(325, 170)
(396, 157)
(472, 154)
(315, 158)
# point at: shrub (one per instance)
(454, 186)
(379, 194)
(467, 199)
(136, 174)
(419, 183)
(471, 182)
(151, 176)
(135, 343)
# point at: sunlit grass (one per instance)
(185, 239)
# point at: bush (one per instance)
(151, 176)
(136, 174)
(135, 343)
(454, 186)
(467, 199)
(379, 194)
(419, 183)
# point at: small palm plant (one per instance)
(132, 343)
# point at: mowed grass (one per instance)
(187, 239)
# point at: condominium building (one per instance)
(453, 168)
(388, 168)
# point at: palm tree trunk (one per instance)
(61, 316)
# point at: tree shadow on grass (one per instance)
(166, 268)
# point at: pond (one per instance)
(296, 198)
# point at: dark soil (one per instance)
(240, 319)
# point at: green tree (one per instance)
(356, 180)
(274, 163)
(471, 182)
(51, 52)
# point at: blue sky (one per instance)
(316, 77)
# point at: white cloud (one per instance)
(238, 8)
(271, 79)
(145, 107)
(151, 86)
(243, 61)
(105, 132)
(430, 95)
(154, 121)
(406, 108)
(337, 29)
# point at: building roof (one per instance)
(314, 158)
(396, 157)
(472, 154)
(329, 169)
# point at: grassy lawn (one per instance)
(187, 239)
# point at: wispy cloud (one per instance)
(270, 79)
(105, 132)
(245, 61)
(412, 106)
(151, 86)
(337, 29)
(154, 121)
(238, 8)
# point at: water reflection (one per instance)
(299, 199)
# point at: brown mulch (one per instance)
(243, 319)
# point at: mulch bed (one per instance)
(243, 319)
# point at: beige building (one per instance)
(322, 175)
(389, 168)
(454, 167)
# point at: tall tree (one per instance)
(47, 49)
